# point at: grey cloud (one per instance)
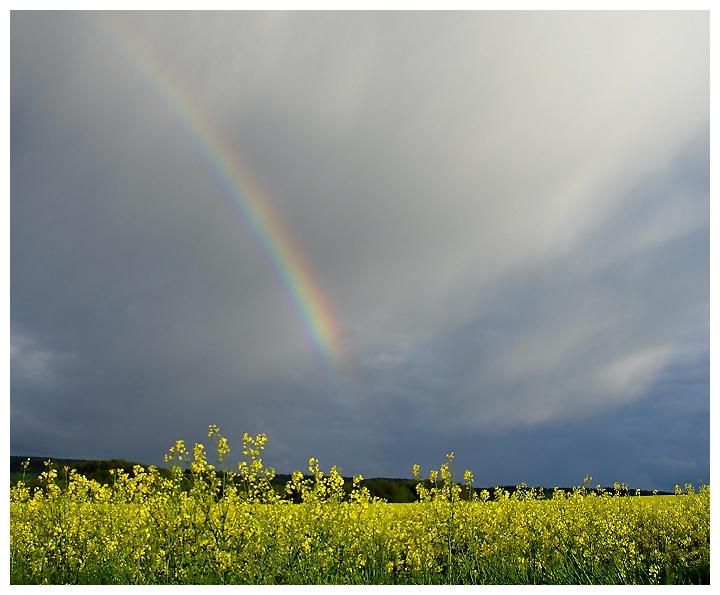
(507, 211)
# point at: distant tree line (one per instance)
(393, 490)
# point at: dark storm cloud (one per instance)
(509, 213)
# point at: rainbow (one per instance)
(247, 196)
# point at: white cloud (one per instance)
(630, 375)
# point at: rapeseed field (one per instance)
(206, 524)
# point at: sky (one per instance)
(376, 237)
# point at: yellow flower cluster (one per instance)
(201, 525)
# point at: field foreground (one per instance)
(203, 526)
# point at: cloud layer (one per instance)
(508, 212)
